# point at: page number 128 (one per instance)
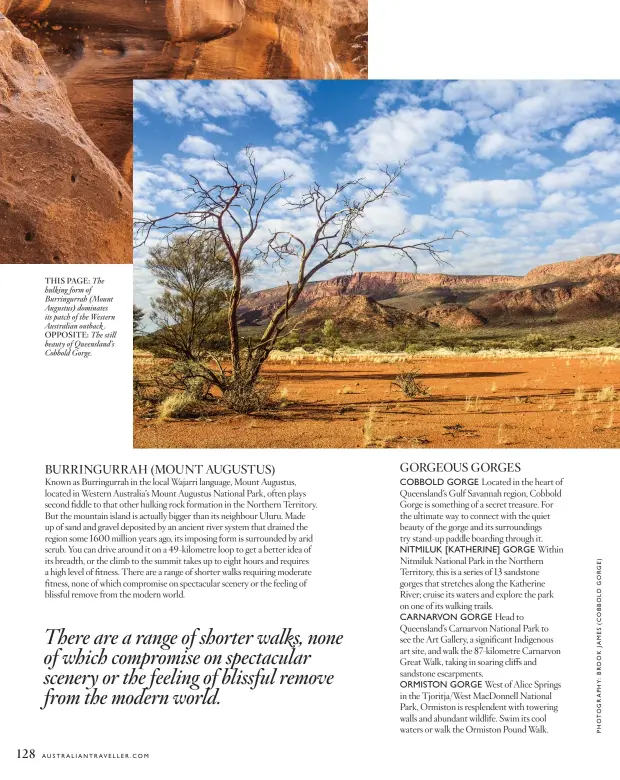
(26, 753)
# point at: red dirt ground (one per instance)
(474, 401)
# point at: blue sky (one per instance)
(530, 171)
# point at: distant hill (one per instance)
(356, 314)
(582, 289)
(382, 286)
(565, 301)
(580, 270)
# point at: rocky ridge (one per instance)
(583, 288)
(354, 314)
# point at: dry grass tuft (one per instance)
(606, 394)
(473, 403)
(502, 436)
(367, 431)
(176, 405)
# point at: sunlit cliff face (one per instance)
(61, 199)
(98, 47)
(175, 20)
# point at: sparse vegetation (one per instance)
(580, 394)
(502, 437)
(409, 383)
(331, 336)
(369, 423)
(606, 394)
(473, 403)
(564, 338)
(176, 405)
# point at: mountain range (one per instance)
(572, 291)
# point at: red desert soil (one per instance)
(532, 401)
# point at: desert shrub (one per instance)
(138, 389)
(392, 346)
(291, 341)
(330, 336)
(409, 383)
(244, 396)
(536, 342)
(186, 376)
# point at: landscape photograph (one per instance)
(355, 264)
(66, 74)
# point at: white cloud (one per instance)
(208, 171)
(556, 212)
(607, 195)
(274, 162)
(472, 167)
(401, 134)
(209, 127)
(530, 106)
(588, 171)
(489, 193)
(536, 160)
(329, 128)
(198, 99)
(305, 142)
(480, 99)
(155, 184)
(587, 133)
(589, 240)
(386, 217)
(195, 144)
(398, 91)
(435, 170)
(496, 144)
(518, 118)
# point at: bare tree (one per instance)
(233, 211)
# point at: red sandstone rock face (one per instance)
(355, 314)
(377, 284)
(61, 200)
(99, 46)
(453, 316)
(593, 291)
(583, 268)
(568, 300)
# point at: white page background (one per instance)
(79, 411)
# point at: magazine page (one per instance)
(346, 483)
